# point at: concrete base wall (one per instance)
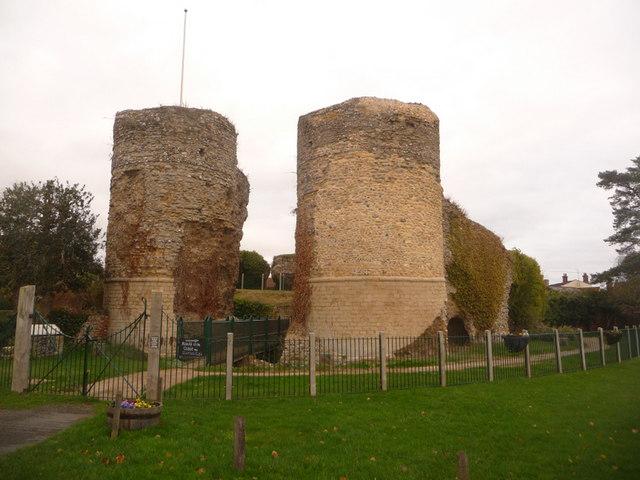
(365, 306)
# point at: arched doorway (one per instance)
(457, 332)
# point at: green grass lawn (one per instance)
(16, 401)
(578, 425)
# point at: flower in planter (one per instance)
(136, 403)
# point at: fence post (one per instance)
(442, 360)
(153, 346)
(527, 360)
(382, 348)
(312, 364)
(229, 384)
(626, 327)
(618, 350)
(489, 351)
(601, 341)
(637, 341)
(556, 337)
(22, 343)
(583, 359)
(85, 362)
(242, 281)
(239, 451)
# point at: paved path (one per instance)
(20, 428)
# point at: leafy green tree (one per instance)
(48, 236)
(253, 265)
(625, 202)
(527, 297)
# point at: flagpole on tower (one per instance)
(184, 41)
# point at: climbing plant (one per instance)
(478, 268)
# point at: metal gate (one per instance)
(87, 364)
(193, 354)
(7, 337)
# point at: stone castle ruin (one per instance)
(178, 204)
(283, 266)
(378, 248)
(375, 250)
(369, 235)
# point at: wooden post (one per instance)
(489, 351)
(153, 346)
(115, 421)
(242, 281)
(442, 360)
(637, 341)
(629, 340)
(601, 341)
(618, 350)
(312, 364)
(463, 466)
(229, 384)
(383, 361)
(556, 336)
(22, 343)
(527, 361)
(238, 444)
(583, 358)
(262, 282)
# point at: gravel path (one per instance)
(21, 428)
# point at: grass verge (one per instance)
(579, 425)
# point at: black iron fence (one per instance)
(316, 366)
(7, 334)
(234, 359)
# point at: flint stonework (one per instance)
(178, 204)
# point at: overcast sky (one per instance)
(534, 98)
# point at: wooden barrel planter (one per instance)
(135, 418)
(516, 343)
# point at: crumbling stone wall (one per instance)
(178, 204)
(283, 265)
(369, 237)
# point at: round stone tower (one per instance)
(369, 234)
(178, 204)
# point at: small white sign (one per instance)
(154, 342)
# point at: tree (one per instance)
(253, 265)
(527, 297)
(625, 203)
(48, 237)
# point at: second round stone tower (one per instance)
(178, 204)
(369, 235)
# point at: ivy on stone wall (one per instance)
(478, 268)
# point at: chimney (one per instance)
(585, 278)
(565, 278)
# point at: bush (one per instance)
(528, 293)
(586, 310)
(5, 303)
(247, 308)
(68, 322)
